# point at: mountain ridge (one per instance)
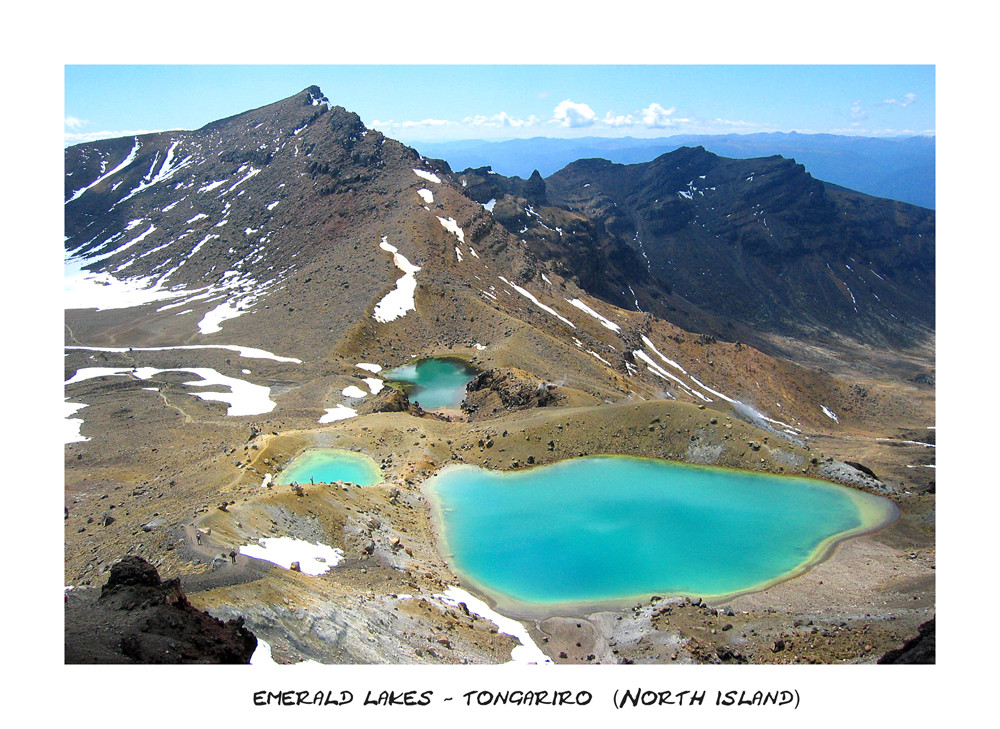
(898, 168)
(718, 235)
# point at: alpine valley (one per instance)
(236, 295)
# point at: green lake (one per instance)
(435, 382)
(613, 530)
(326, 465)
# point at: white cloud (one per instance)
(377, 124)
(656, 116)
(857, 112)
(619, 120)
(907, 100)
(428, 123)
(503, 120)
(73, 123)
(570, 114)
(731, 123)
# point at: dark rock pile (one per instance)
(505, 389)
(139, 618)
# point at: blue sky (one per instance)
(422, 103)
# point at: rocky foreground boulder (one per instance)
(139, 618)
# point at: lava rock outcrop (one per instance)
(139, 618)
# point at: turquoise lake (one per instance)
(437, 382)
(326, 465)
(603, 530)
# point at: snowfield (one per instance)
(604, 321)
(429, 176)
(401, 299)
(528, 295)
(527, 653)
(250, 352)
(341, 412)
(313, 559)
(243, 398)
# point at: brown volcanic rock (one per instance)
(389, 400)
(140, 619)
(505, 389)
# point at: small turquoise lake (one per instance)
(611, 530)
(436, 382)
(326, 465)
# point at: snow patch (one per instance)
(401, 299)
(527, 653)
(71, 433)
(86, 290)
(663, 374)
(590, 351)
(375, 385)
(528, 295)
(607, 323)
(249, 352)
(243, 398)
(429, 176)
(908, 442)
(253, 171)
(211, 186)
(341, 412)
(166, 171)
(212, 321)
(129, 159)
(645, 340)
(313, 558)
(262, 656)
(451, 225)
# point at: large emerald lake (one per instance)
(612, 529)
(436, 382)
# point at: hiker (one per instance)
(197, 535)
(232, 555)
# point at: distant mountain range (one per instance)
(898, 168)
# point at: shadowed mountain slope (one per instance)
(740, 246)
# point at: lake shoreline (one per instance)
(875, 513)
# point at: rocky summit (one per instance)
(236, 294)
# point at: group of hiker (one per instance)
(199, 534)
